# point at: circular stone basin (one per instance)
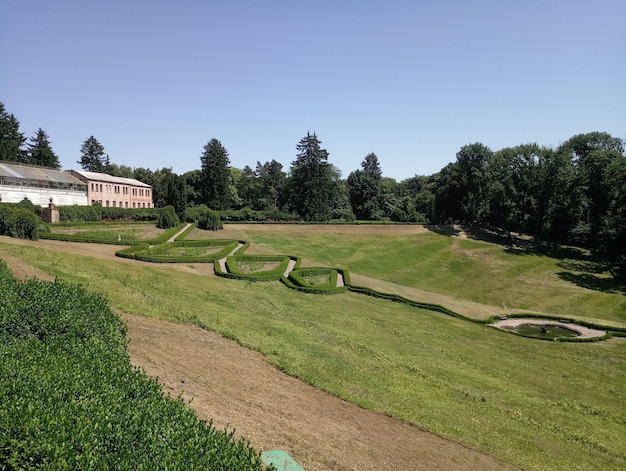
(544, 331)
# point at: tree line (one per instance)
(574, 193)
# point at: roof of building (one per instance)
(32, 172)
(103, 177)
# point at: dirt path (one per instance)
(238, 389)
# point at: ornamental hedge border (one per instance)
(297, 280)
(111, 238)
(226, 266)
(158, 253)
(233, 271)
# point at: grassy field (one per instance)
(539, 405)
(566, 282)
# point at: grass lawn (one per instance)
(566, 284)
(540, 405)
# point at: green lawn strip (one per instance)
(539, 405)
(477, 271)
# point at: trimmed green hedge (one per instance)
(72, 400)
(297, 280)
(110, 237)
(233, 270)
(95, 213)
(159, 253)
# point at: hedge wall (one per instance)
(70, 399)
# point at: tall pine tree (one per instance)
(312, 180)
(11, 139)
(40, 152)
(215, 175)
(93, 158)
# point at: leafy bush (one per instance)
(72, 400)
(19, 220)
(167, 218)
(210, 220)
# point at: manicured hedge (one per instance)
(110, 237)
(94, 213)
(70, 399)
(159, 253)
(297, 280)
(233, 271)
(249, 215)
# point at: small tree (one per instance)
(167, 218)
(210, 220)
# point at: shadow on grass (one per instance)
(445, 230)
(594, 282)
(579, 266)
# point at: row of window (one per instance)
(117, 189)
(115, 205)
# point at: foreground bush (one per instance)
(69, 398)
(20, 220)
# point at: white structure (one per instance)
(40, 185)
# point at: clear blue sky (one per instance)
(411, 81)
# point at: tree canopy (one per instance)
(215, 175)
(93, 158)
(39, 151)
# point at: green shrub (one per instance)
(167, 218)
(72, 400)
(22, 223)
(210, 220)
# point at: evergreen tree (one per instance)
(272, 180)
(93, 158)
(11, 139)
(40, 152)
(312, 181)
(215, 176)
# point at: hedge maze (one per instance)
(230, 261)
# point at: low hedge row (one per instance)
(158, 253)
(297, 280)
(98, 213)
(110, 238)
(72, 400)
(249, 215)
(233, 271)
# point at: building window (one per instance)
(126, 202)
(107, 203)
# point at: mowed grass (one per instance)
(566, 284)
(539, 405)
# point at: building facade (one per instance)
(116, 192)
(40, 185)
